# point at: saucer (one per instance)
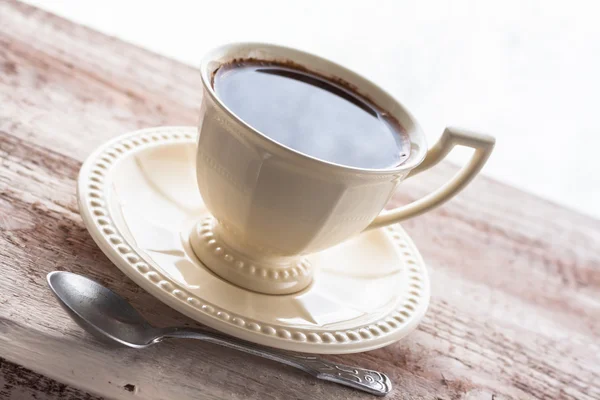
(139, 200)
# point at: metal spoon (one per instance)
(108, 316)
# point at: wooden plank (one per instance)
(515, 311)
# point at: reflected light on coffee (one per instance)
(312, 115)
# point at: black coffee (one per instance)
(312, 115)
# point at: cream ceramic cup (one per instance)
(271, 205)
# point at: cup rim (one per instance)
(208, 67)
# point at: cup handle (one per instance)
(483, 146)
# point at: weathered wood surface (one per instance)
(515, 311)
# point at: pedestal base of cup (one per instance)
(270, 275)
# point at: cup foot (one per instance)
(273, 276)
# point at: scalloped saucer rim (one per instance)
(138, 198)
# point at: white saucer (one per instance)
(139, 200)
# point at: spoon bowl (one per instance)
(100, 311)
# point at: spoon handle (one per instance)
(358, 378)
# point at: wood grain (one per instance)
(515, 311)
(20, 383)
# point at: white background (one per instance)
(526, 72)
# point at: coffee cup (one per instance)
(271, 206)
